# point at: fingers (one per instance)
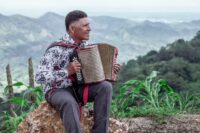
(73, 67)
(76, 65)
(117, 65)
(116, 68)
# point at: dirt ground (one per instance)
(177, 124)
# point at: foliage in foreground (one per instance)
(23, 105)
(153, 98)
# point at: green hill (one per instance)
(178, 63)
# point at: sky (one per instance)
(36, 8)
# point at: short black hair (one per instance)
(74, 16)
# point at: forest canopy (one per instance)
(178, 63)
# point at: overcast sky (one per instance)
(36, 8)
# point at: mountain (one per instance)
(22, 37)
(137, 38)
(53, 22)
(178, 63)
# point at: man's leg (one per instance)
(65, 103)
(101, 94)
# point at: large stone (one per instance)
(46, 119)
(177, 124)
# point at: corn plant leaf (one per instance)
(5, 91)
(18, 101)
(122, 93)
(137, 88)
(130, 82)
(18, 84)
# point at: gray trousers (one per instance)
(65, 103)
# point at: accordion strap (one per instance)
(85, 93)
(62, 44)
(85, 99)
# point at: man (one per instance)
(55, 69)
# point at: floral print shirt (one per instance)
(52, 70)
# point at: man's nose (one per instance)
(89, 29)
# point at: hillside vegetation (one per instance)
(178, 63)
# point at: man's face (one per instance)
(80, 29)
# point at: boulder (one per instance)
(45, 119)
(189, 123)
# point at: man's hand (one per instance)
(73, 67)
(116, 68)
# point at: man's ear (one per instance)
(71, 29)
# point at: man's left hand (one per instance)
(116, 68)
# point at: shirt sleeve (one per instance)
(52, 68)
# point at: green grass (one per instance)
(23, 106)
(152, 98)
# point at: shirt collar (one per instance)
(68, 39)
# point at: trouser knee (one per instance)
(107, 87)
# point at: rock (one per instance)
(176, 124)
(45, 119)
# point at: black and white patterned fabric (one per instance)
(52, 70)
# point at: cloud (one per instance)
(39, 7)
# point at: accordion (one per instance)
(97, 63)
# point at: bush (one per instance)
(151, 97)
(23, 106)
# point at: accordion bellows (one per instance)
(97, 62)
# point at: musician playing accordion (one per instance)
(55, 73)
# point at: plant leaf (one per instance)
(18, 101)
(18, 84)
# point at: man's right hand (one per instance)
(73, 67)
